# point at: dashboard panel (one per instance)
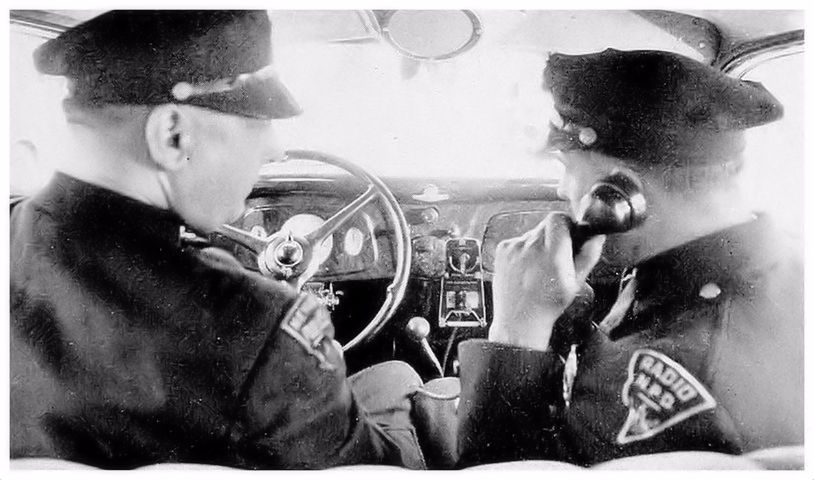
(361, 249)
(489, 222)
(359, 260)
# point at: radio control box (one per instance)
(462, 295)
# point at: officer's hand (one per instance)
(536, 278)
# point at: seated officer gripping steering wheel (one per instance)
(129, 349)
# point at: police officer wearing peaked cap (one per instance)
(702, 349)
(129, 349)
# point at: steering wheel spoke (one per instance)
(325, 230)
(249, 240)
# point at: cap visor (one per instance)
(265, 98)
(277, 100)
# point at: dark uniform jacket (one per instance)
(707, 356)
(127, 349)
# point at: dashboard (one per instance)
(454, 225)
(358, 250)
(485, 210)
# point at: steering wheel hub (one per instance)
(288, 253)
(286, 257)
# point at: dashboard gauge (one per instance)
(304, 223)
(354, 241)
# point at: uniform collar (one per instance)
(728, 258)
(729, 261)
(92, 208)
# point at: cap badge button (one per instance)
(709, 291)
(587, 136)
(182, 91)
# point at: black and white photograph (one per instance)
(389, 240)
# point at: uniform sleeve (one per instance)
(507, 398)
(297, 409)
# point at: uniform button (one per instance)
(709, 291)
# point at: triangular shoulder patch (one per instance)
(659, 393)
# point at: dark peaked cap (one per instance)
(653, 107)
(217, 59)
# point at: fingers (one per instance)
(534, 282)
(506, 249)
(552, 225)
(507, 244)
(538, 231)
(558, 246)
(588, 256)
(550, 240)
(557, 234)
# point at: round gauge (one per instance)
(304, 223)
(354, 241)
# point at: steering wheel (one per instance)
(291, 258)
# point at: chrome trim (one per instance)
(749, 55)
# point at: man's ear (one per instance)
(168, 131)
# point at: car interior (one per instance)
(419, 151)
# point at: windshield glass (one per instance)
(480, 114)
(774, 170)
(463, 117)
(37, 126)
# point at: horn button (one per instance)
(286, 256)
(288, 253)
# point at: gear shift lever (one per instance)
(418, 328)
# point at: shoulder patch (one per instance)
(659, 393)
(310, 326)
